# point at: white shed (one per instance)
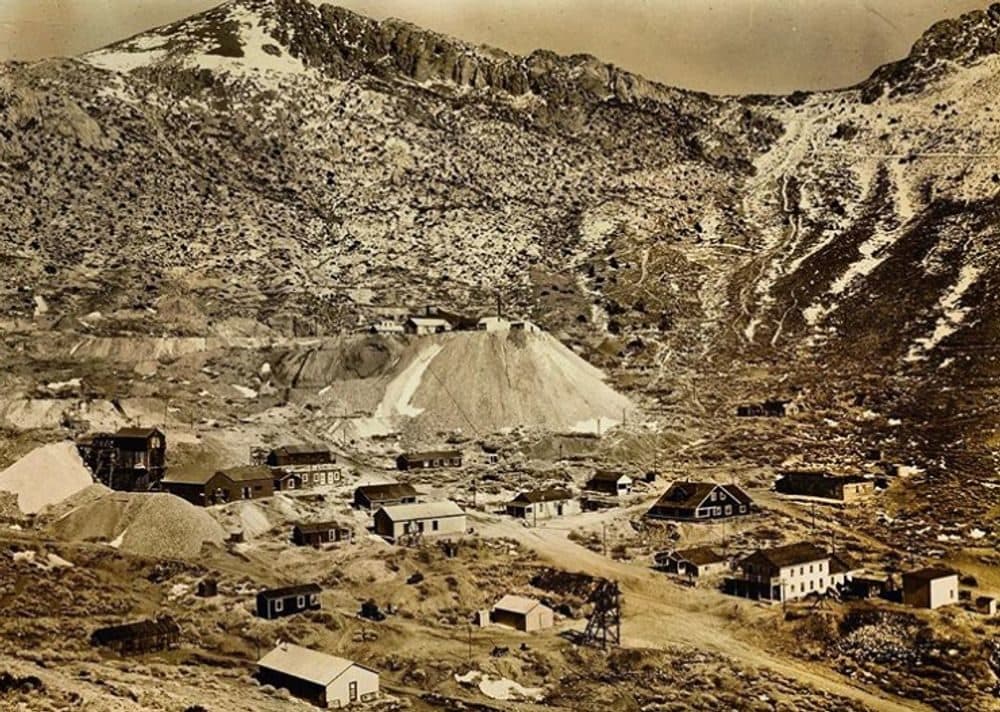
(423, 518)
(324, 679)
(930, 587)
(522, 613)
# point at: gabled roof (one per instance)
(608, 476)
(389, 490)
(285, 591)
(423, 510)
(699, 555)
(690, 495)
(247, 473)
(305, 664)
(516, 604)
(308, 449)
(309, 527)
(930, 573)
(137, 433)
(187, 477)
(802, 552)
(550, 494)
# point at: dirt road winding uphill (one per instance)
(658, 613)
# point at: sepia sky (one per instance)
(722, 46)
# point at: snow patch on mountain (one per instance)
(952, 314)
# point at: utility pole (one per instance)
(813, 510)
(604, 537)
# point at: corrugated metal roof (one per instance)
(390, 490)
(305, 664)
(422, 510)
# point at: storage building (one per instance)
(424, 519)
(325, 680)
(317, 533)
(930, 587)
(140, 637)
(221, 486)
(522, 613)
(429, 460)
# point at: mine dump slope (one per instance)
(293, 167)
(476, 382)
(156, 525)
(46, 476)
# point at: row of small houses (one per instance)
(284, 469)
(802, 569)
(323, 679)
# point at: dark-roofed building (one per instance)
(701, 501)
(371, 497)
(432, 459)
(314, 465)
(698, 562)
(139, 637)
(130, 459)
(317, 533)
(278, 602)
(784, 573)
(236, 483)
(842, 568)
(930, 587)
(543, 504)
(842, 488)
(609, 483)
(325, 680)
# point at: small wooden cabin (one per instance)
(318, 533)
(287, 601)
(433, 459)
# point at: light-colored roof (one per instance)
(516, 604)
(422, 510)
(429, 321)
(305, 664)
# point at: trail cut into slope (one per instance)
(157, 525)
(45, 476)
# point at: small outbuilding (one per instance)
(609, 484)
(318, 533)
(547, 503)
(697, 562)
(987, 605)
(432, 459)
(207, 588)
(522, 613)
(930, 587)
(426, 325)
(372, 497)
(140, 637)
(423, 519)
(325, 680)
(289, 600)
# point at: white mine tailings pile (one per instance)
(485, 382)
(155, 525)
(46, 476)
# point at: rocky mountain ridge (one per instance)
(282, 167)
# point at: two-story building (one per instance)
(784, 573)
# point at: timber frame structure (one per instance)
(604, 624)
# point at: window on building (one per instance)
(279, 605)
(810, 568)
(729, 509)
(300, 601)
(802, 571)
(821, 583)
(434, 525)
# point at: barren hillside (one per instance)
(280, 167)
